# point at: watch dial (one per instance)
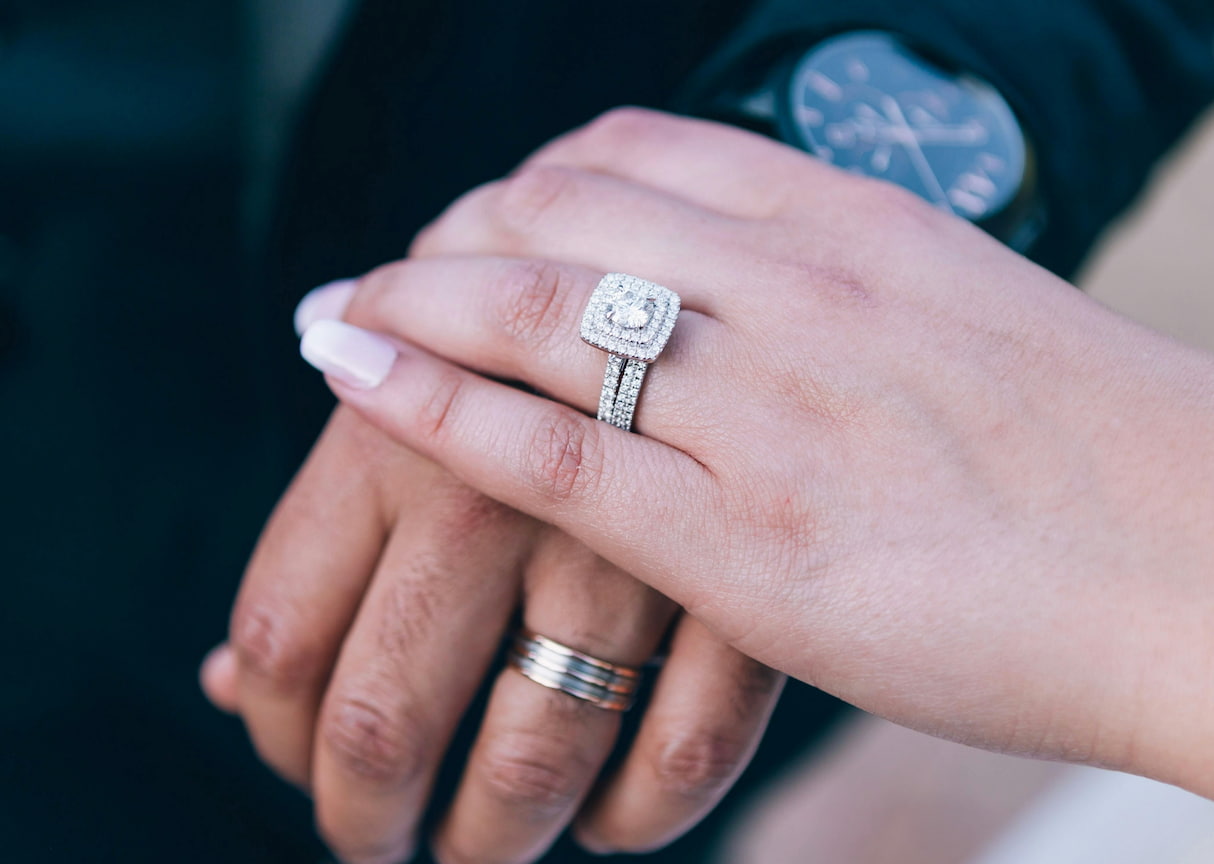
(865, 102)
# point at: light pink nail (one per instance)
(350, 354)
(326, 303)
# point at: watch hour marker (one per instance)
(979, 184)
(809, 116)
(761, 104)
(970, 204)
(991, 162)
(933, 102)
(881, 159)
(825, 87)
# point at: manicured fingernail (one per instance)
(326, 303)
(350, 354)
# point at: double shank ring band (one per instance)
(631, 319)
(559, 667)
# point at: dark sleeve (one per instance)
(1102, 87)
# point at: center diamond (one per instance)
(630, 309)
(629, 317)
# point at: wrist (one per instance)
(1158, 455)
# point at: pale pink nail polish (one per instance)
(354, 356)
(326, 303)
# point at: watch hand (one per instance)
(934, 135)
(970, 133)
(894, 111)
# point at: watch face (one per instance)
(867, 103)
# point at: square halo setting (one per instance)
(630, 317)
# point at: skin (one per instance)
(888, 456)
(370, 614)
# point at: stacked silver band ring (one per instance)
(631, 320)
(559, 667)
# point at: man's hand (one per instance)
(369, 616)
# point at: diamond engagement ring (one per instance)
(631, 320)
(558, 667)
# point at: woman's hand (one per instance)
(881, 453)
(370, 614)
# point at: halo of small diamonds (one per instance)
(630, 317)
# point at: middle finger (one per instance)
(421, 643)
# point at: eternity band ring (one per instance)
(631, 319)
(558, 667)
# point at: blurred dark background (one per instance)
(139, 450)
(173, 177)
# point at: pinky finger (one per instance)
(707, 714)
(543, 458)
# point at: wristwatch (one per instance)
(869, 102)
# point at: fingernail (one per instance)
(354, 356)
(326, 303)
(220, 660)
(217, 676)
(591, 843)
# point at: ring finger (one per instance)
(518, 319)
(540, 750)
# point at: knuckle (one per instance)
(698, 765)
(534, 301)
(881, 202)
(374, 292)
(527, 774)
(626, 124)
(415, 608)
(272, 644)
(796, 542)
(372, 738)
(838, 283)
(757, 686)
(565, 457)
(434, 416)
(530, 197)
(464, 512)
(452, 229)
(782, 520)
(425, 242)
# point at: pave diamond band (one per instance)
(626, 397)
(621, 388)
(631, 319)
(559, 667)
